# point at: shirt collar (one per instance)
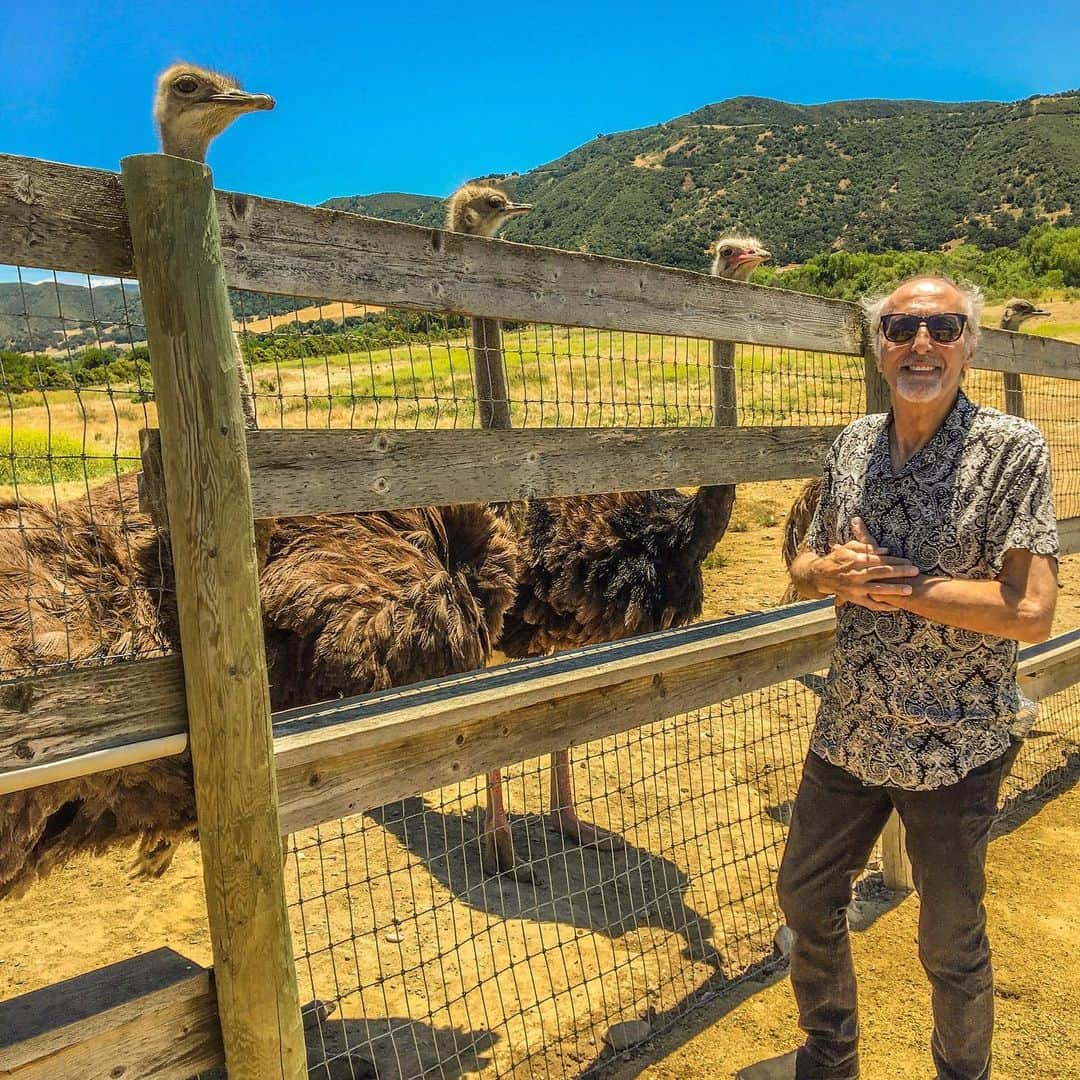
(945, 443)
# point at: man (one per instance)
(936, 535)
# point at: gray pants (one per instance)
(835, 821)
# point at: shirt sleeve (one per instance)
(822, 531)
(1022, 508)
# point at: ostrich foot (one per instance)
(497, 856)
(581, 832)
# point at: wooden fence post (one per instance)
(177, 245)
(725, 396)
(489, 375)
(1014, 393)
(895, 866)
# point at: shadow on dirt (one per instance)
(610, 889)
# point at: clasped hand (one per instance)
(864, 573)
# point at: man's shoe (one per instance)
(777, 1068)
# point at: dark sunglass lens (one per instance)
(899, 329)
(945, 328)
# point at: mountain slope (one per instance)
(863, 175)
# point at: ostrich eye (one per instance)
(186, 84)
(495, 203)
(726, 251)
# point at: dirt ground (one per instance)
(439, 971)
(1033, 883)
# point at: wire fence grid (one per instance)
(433, 967)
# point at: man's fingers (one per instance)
(886, 588)
(890, 570)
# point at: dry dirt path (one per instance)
(1034, 881)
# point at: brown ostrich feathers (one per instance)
(602, 567)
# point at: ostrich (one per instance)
(91, 580)
(192, 106)
(597, 568)
(801, 513)
(351, 603)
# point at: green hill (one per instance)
(857, 175)
(413, 209)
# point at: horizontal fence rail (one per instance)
(153, 1015)
(300, 472)
(344, 756)
(70, 218)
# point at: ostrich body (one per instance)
(598, 568)
(801, 513)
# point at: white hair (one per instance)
(874, 303)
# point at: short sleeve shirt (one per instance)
(911, 702)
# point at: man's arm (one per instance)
(1019, 603)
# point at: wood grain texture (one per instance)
(489, 375)
(189, 323)
(1013, 386)
(1027, 354)
(63, 217)
(154, 1015)
(47, 718)
(724, 385)
(302, 472)
(70, 218)
(1052, 666)
(895, 865)
(345, 757)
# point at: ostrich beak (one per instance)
(1039, 311)
(518, 208)
(242, 101)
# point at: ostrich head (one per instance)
(736, 257)
(193, 105)
(1017, 312)
(481, 210)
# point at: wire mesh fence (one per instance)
(339, 365)
(434, 968)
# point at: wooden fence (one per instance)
(163, 223)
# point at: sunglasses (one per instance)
(901, 328)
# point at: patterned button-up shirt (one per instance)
(908, 701)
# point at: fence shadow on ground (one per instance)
(608, 890)
(393, 1048)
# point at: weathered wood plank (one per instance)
(63, 217)
(189, 325)
(71, 218)
(1069, 535)
(895, 865)
(1051, 666)
(419, 738)
(1027, 354)
(48, 718)
(151, 1016)
(302, 472)
(286, 248)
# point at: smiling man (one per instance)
(936, 535)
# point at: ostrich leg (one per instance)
(564, 815)
(497, 847)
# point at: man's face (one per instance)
(925, 371)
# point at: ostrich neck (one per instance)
(188, 145)
(709, 511)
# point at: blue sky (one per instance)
(419, 97)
